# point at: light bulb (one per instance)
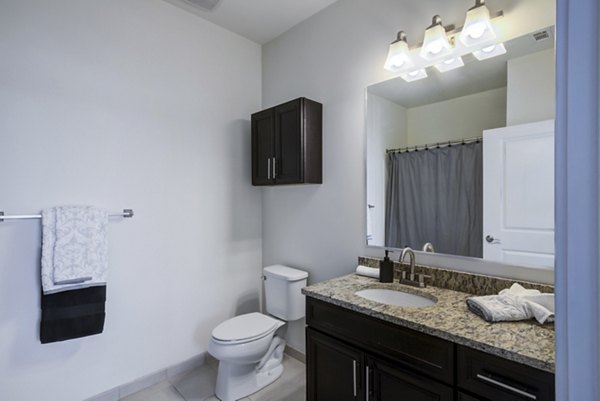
(476, 30)
(435, 47)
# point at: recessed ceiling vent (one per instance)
(206, 5)
(541, 35)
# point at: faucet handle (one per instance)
(422, 277)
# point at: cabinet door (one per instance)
(386, 382)
(334, 370)
(263, 137)
(288, 143)
(465, 397)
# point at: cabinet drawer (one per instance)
(502, 380)
(420, 352)
(466, 397)
(390, 383)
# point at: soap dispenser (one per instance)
(386, 269)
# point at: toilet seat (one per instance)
(244, 328)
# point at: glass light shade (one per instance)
(398, 57)
(478, 27)
(490, 51)
(435, 44)
(450, 64)
(414, 75)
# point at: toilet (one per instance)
(249, 347)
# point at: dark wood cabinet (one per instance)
(287, 144)
(391, 382)
(501, 380)
(348, 351)
(335, 370)
(465, 397)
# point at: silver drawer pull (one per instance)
(506, 386)
(367, 386)
(354, 376)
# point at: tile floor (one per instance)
(199, 385)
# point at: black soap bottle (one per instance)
(386, 269)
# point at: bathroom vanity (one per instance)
(360, 350)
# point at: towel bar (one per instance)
(127, 213)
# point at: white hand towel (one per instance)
(515, 303)
(74, 248)
(367, 271)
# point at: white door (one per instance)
(518, 194)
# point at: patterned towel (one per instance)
(74, 248)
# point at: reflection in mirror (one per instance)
(462, 163)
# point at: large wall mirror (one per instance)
(462, 162)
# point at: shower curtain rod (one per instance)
(435, 145)
(127, 213)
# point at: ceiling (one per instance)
(258, 20)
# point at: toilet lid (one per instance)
(244, 327)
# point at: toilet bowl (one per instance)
(250, 354)
(250, 347)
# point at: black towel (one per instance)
(72, 314)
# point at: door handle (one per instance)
(274, 169)
(492, 240)
(354, 376)
(269, 168)
(367, 383)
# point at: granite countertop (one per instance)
(526, 342)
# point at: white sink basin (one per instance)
(397, 298)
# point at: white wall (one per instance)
(458, 118)
(332, 57)
(386, 129)
(530, 95)
(121, 104)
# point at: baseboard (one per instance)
(294, 353)
(141, 383)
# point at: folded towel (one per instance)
(72, 314)
(74, 248)
(515, 303)
(367, 271)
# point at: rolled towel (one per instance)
(367, 271)
(516, 303)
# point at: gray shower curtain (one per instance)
(436, 196)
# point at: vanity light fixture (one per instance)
(414, 75)
(399, 55)
(436, 44)
(490, 51)
(478, 27)
(451, 63)
(444, 46)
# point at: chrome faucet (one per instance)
(411, 278)
(408, 251)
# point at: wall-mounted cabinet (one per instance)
(287, 144)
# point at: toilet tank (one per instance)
(283, 294)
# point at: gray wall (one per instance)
(332, 57)
(126, 104)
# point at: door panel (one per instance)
(333, 369)
(390, 383)
(518, 194)
(288, 143)
(262, 147)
